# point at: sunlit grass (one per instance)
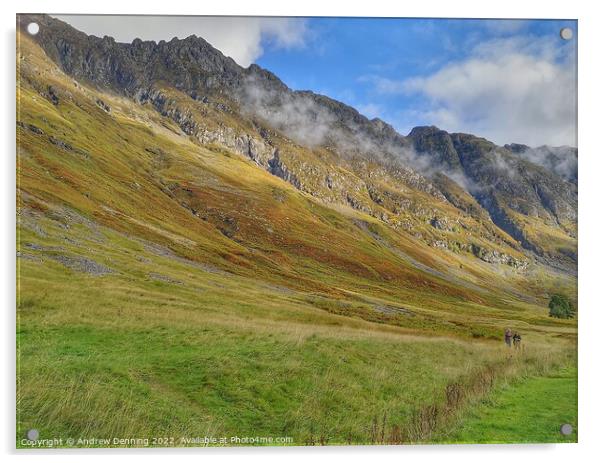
(529, 410)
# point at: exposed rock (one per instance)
(496, 257)
(501, 181)
(103, 105)
(81, 264)
(561, 160)
(279, 169)
(52, 95)
(163, 278)
(352, 159)
(55, 141)
(441, 244)
(31, 128)
(28, 256)
(440, 223)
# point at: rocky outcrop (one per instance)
(496, 257)
(54, 140)
(279, 169)
(503, 183)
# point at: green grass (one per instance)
(112, 356)
(117, 356)
(530, 410)
(81, 380)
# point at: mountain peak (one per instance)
(516, 147)
(425, 129)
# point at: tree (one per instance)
(561, 307)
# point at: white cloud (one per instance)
(241, 38)
(520, 89)
(505, 26)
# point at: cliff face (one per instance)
(510, 187)
(443, 189)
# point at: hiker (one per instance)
(516, 338)
(508, 337)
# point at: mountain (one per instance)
(453, 192)
(266, 119)
(236, 256)
(518, 194)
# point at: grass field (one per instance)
(171, 289)
(213, 353)
(528, 410)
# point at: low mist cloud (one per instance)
(560, 160)
(295, 115)
(310, 122)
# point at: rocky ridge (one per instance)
(347, 159)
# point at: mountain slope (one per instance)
(319, 145)
(367, 218)
(530, 203)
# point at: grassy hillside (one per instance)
(169, 287)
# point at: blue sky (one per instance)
(506, 80)
(373, 64)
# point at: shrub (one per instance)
(561, 307)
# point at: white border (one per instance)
(590, 148)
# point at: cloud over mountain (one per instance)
(241, 38)
(518, 89)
